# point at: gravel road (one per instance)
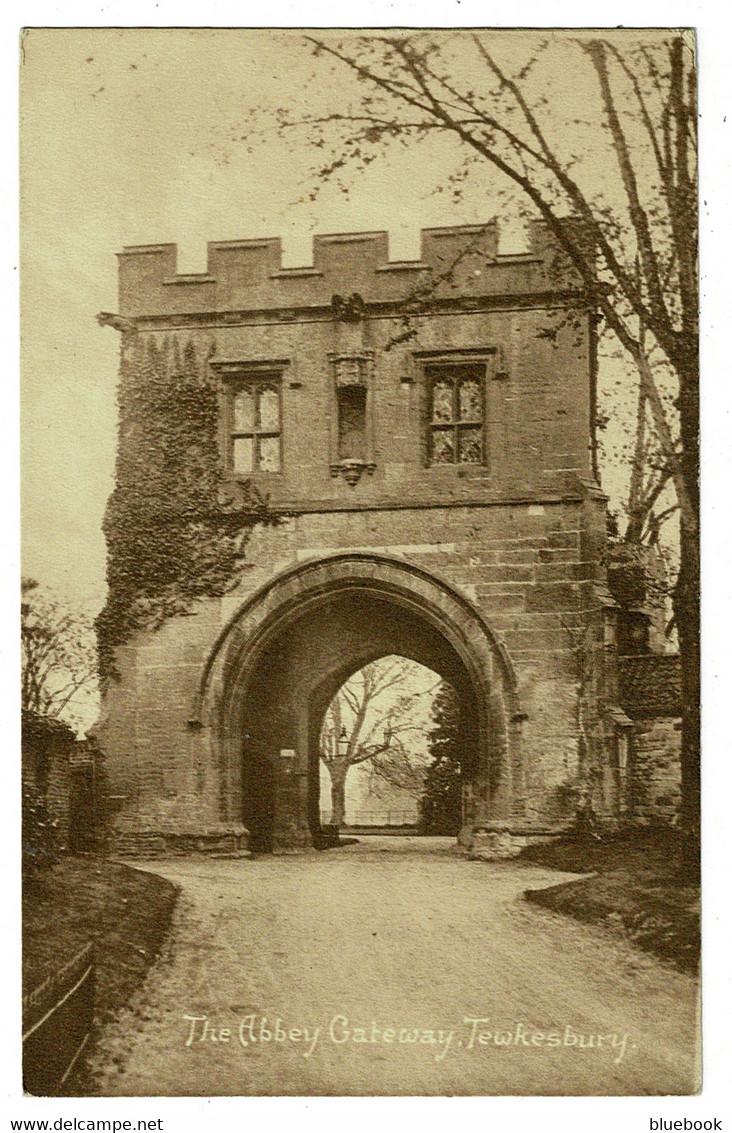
(393, 967)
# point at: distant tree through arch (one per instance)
(379, 719)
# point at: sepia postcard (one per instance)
(360, 610)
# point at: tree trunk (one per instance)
(686, 609)
(687, 613)
(338, 795)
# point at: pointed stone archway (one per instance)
(275, 666)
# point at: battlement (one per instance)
(248, 274)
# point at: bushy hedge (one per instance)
(38, 846)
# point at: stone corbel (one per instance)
(351, 470)
(117, 322)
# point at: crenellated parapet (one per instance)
(247, 275)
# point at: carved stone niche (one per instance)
(352, 433)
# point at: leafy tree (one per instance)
(58, 658)
(441, 803)
(58, 691)
(596, 136)
(375, 718)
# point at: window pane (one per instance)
(470, 406)
(269, 454)
(471, 449)
(244, 411)
(269, 411)
(243, 454)
(442, 401)
(443, 446)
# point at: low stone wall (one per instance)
(656, 770)
(173, 843)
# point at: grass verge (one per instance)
(124, 911)
(640, 887)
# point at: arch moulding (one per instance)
(423, 596)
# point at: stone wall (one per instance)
(524, 570)
(247, 275)
(47, 748)
(656, 771)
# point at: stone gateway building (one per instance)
(423, 434)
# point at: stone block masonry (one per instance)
(656, 773)
(430, 454)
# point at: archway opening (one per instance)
(390, 752)
(291, 686)
(295, 644)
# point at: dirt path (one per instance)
(360, 971)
